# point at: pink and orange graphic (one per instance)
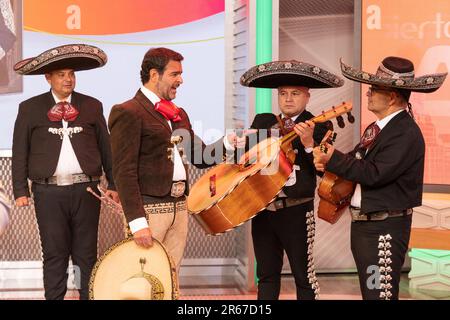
(419, 31)
(102, 17)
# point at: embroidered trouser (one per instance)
(169, 225)
(379, 249)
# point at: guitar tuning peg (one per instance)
(323, 148)
(340, 121)
(333, 137)
(350, 117)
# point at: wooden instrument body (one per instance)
(335, 194)
(241, 191)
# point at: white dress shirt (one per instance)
(356, 198)
(67, 163)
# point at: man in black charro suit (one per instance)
(388, 168)
(61, 143)
(287, 224)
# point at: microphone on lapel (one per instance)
(169, 110)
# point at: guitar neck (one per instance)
(323, 117)
(292, 135)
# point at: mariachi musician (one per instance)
(150, 138)
(61, 143)
(288, 224)
(387, 166)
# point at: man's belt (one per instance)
(379, 215)
(165, 207)
(69, 179)
(281, 203)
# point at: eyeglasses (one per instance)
(371, 90)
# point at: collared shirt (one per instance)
(68, 161)
(356, 198)
(292, 118)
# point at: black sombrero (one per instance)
(289, 73)
(397, 73)
(70, 56)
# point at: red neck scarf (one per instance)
(169, 110)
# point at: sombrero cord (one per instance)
(410, 111)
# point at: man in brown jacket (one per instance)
(150, 138)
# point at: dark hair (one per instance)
(405, 94)
(157, 58)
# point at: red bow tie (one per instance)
(63, 110)
(169, 110)
(288, 124)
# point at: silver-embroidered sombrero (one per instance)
(289, 73)
(397, 73)
(70, 56)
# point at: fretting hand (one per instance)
(321, 158)
(305, 131)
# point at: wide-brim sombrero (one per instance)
(70, 56)
(127, 271)
(289, 73)
(386, 77)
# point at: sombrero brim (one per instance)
(122, 262)
(289, 73)
(426, 83)
(74, 56)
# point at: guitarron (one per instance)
(335, 193)
(230, 194)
